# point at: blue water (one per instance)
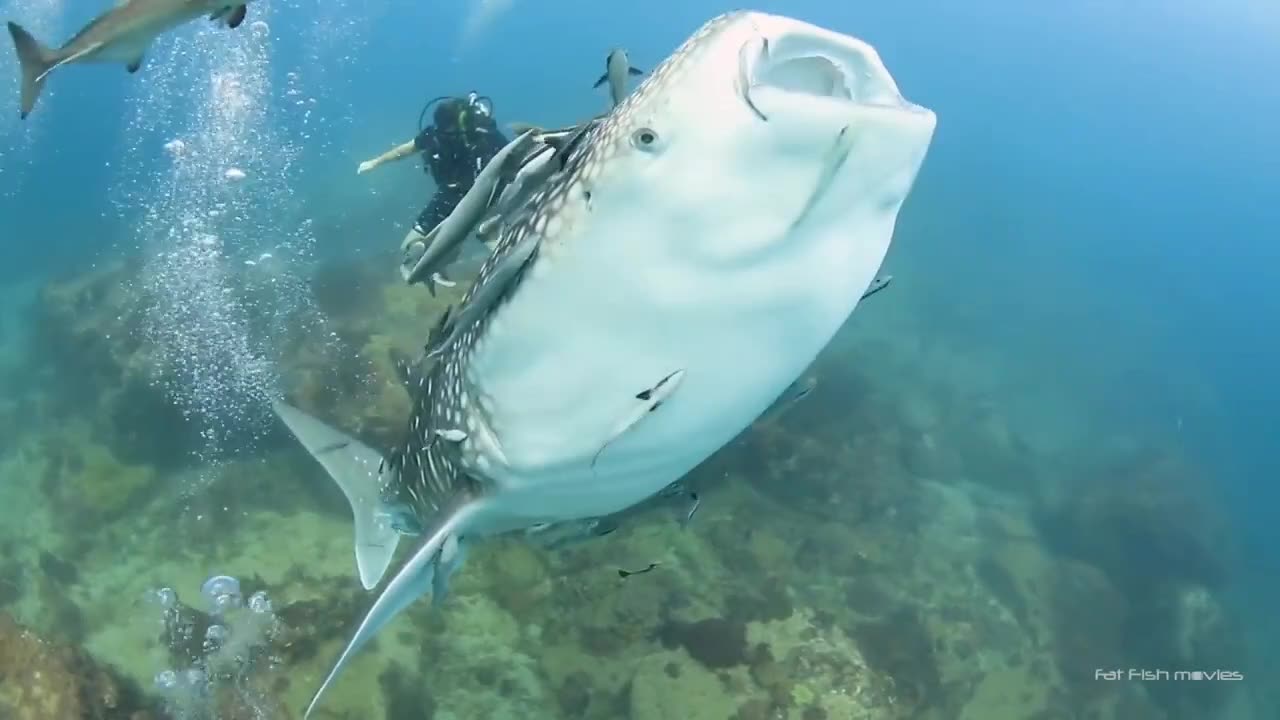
(1096, 227)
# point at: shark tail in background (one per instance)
(36, 61)
(355, 467)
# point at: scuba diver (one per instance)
(455, 148)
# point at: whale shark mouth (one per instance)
(820, 65)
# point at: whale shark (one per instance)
(676, 267)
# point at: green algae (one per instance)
(883, 564)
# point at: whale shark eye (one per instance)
(644, 139)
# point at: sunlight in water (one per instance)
(336, 36)
(482, 15)
(221, 232)
(44, 19)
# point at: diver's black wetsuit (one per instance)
(454, 150)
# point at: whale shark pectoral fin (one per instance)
(356, 468)
(635, 71)
(413, 580)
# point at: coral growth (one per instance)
(865, 555)
(714, 642)
(1145, 519)
(42, 680)
(899, 646)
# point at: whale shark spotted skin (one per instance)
(690, 255)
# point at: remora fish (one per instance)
(445, 239)
(119, 35)
(617, 67)
(667, 243)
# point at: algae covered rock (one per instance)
(84, 479)
(1145, 518)
(691, 692)
(41, 680)
(490, 676)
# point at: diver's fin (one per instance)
(355, 467)
(635, 71)
(135, 64)
(36, 61)
(601, 81)
(236, 16)
(411, 581)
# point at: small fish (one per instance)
(554, 536)
(486, 227)
(452, 434)
(234, 174)
(535, 171)
(877, 285)
(121, 34)
(795, 392)
(695, 503)
(480, 301)
(566, 144)
(649, 400)
(628, 573)
(617, 68)
(444, 242)
(678, 488)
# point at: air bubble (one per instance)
(222, 593)
(166, 680)
(165, 597)
(259, 602)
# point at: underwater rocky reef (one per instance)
(888, 548)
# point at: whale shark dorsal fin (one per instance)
(355, 467)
